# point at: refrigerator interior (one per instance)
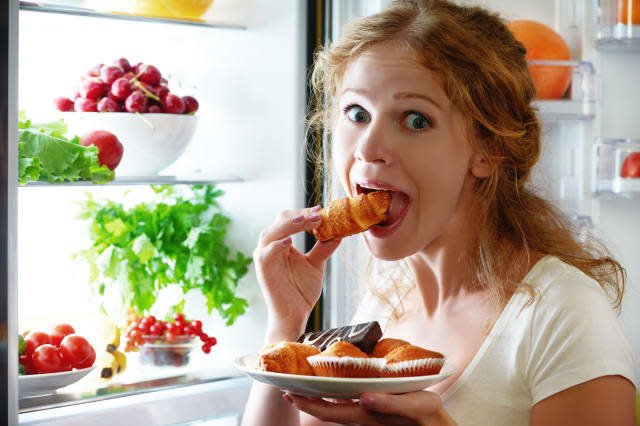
(249, 80)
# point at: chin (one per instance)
(384, 250)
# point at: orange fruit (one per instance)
(622, 11)
(543, 43)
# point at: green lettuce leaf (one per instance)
(44, 154)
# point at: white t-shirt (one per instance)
(568, 336)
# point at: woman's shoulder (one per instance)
(556, 282)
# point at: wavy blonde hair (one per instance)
(485, 76)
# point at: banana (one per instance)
(121, 360)
(114, 343)
(108, 365)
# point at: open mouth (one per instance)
(398, 207)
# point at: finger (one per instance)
(343, 413)
(290, 222)
(275, 248)
(413, 405)
(321, 251)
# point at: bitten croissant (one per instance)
(348, 216)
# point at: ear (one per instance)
(480, 166)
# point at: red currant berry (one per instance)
(178, 317)
(212, 341)
(169, 337)
(206, 348)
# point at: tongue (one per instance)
(399, 201)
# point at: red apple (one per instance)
(109, 147)
(631, 166)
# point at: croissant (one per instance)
(288, 358)
(348, 216)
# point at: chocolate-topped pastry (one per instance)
(364, 336)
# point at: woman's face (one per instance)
(396, 130)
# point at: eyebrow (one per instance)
(401, 95)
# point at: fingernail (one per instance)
(316, 208)
(367, 401)
(287, 398)
(297, 219)
(315, 217)
(286, 241)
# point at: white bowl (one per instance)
(47, 384)
(151, 142)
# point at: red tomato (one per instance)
(58, 333)
(28, 364)
(66, 363)
(35, 339)
(109, 147)
(47, 359)
(89, 361)
(76, 349)
(631, 166)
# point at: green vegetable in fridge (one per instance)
(22, 345)
(45, 154)
(172, 240)
(22, 371)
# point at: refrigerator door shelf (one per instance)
(617, 24)
(618, 167)
(578, 102)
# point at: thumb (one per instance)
(321, 251)
(414, 405)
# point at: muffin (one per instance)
(342, 359)
(288, 358)
(385, 346)
(410, 360)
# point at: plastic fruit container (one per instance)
(160, 353)
(185, 9)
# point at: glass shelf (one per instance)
(50, 7)
(578, 102)
(616, 160)
(617, 25)
(146, 180)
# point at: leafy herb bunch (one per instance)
(170, 241)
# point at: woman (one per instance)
(431, 101)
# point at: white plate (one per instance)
(336, 387)
(47, 384)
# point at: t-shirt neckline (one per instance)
(497, 328)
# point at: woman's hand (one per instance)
(415, 408)
(290, 281)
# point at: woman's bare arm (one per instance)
(608, 400)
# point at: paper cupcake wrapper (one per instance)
(330, 366)
(416, 367)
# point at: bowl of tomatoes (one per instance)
(51, 360)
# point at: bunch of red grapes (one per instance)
(149, 329)
(120, 87)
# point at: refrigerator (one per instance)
(247, 63)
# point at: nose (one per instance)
(373, 144)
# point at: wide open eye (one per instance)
(416, 121)
(357, 114)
